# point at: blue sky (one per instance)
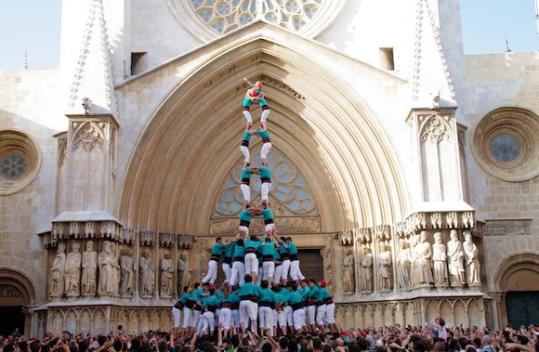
(34, 25)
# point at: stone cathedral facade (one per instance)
(406, 171)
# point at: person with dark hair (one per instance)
(295, 298)
(285, 259)
(252, 246)
(216, 253)
(238, 267)
(249, 294)
(265, 309)
(227, 259)
(295, 271)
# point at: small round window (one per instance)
(504, 147)
(19, 161)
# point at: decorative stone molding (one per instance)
(434, 128)
(86, 230)
(88, 134)
(61, 139)
(20, 160)
(505, 144)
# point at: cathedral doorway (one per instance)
(522, 308)
(16, 295)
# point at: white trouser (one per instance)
(268, 268)
(275, 318)
(265, 150)
(248, 312)
(247, 116)
(260, 273)
(320, 314)
(176, 317)
(238, 272)
(283, 317)
(330, 314)
(227, 270)
(245, 192)
(246, 155)
(265, 317)
(295, 272)
(264, 191)
(196, 318)
(236, 317)
(225, 318)
(210, 318)
(206, 323)
(299, 318)
(187, 317)
(277, 274)
(251, 263)
(211, 276)
(264, 116)
(285, 266)
(310, 317)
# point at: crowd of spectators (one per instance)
(433, 337)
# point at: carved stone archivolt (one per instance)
(88, 134)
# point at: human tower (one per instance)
(264, 289)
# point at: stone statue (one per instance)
(423, 260)
(403, 265)
(471, 255)
(127, 278)
(167, 271)
(109, 270)
(348, 282)
(72, 271)
(147, 276)
(455, 255)
(56, 281)
(184, 273)
(385, 267)
(365, 277)
(89, 270)
(413, 260)
(439, 257)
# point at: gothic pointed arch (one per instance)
(187, 150)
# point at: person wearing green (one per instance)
(284, 311)
(230, 299)
(216, 252)
(249, 295)
(210, 304)
(256, 95)
(268, 256)
(245, 188)
(295, 271)
(266, 146)
(245, 221)
(251, 260)
(238, 268)
(265, 309)
(265, 185)
(227, 259)
(244, 147)
(269, 225)
(324, 316)
(310, 314)
(295, 299)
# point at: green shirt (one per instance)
(229, 249)
(239, 251)
(247, 136)
(265, 173)
(268, 248)
(232, 297)
(281, 297)
(267, 295)
(245, 215)
(267, 214)
(292, 249)
(295, 297)
(323, 293)
(252, 244)
(217, 249)
(249, 289)
(264, 134)
(246, 173)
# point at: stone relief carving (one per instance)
(403, 264)
(9, 291)
(385, 267)
(127, 275)
(348, 273)
(72, 271)
(88, 135)
(167, 271)
(439, 257)
(365, 274)
(455, 255)
(423, 261)
(471, 256)
(56, 282)
(109, 270)
(89, 270)
(147, 275)
(184, 272)
(507, 227)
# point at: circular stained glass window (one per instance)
(504, 147)
(13, 166)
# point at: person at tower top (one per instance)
(255, 95)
